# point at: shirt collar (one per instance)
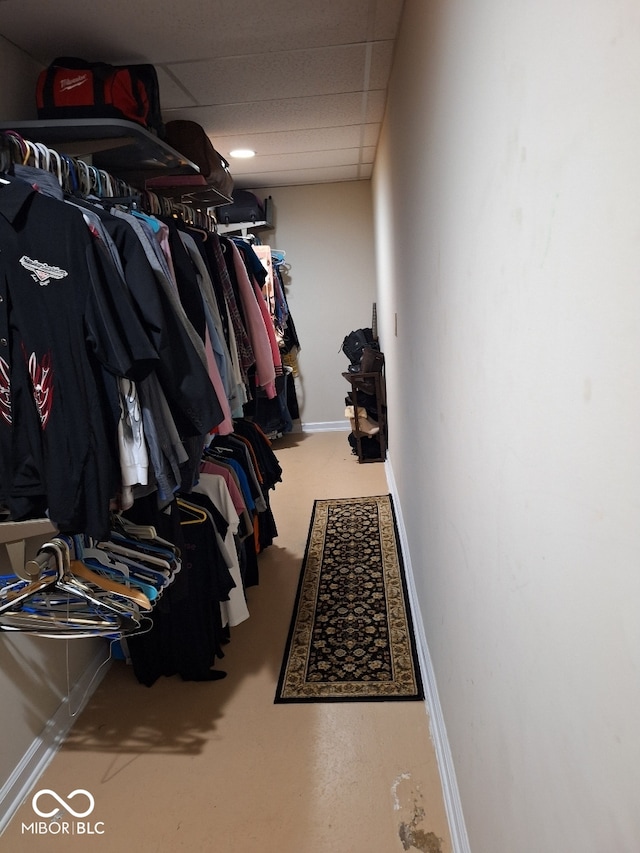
(41, 180)
(13, 196)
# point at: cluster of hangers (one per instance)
(73, 174)
(193, 216)
(76, 177)
(77, 587)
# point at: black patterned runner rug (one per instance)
(351, 637)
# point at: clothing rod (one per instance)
(77, 176)
(34, 568)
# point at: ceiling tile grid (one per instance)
(290, 74)
(314, 113)
(302, 83)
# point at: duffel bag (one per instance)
(190, 139)
(72, 88)
(245, 207)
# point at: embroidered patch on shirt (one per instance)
(5, 391)
(42, 384)
(41, 272)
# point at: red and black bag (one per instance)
(73, 88)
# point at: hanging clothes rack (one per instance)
(84, 587)
(77, 177)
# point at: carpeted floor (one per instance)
(350, 637)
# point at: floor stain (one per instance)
(410, 830)
(427, 842)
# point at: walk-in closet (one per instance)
(167, 452)
(318, 426)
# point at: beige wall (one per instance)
(507, 210)
(327, 233)
(18, 98)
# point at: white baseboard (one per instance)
(43, 748)
(327, 426)
(451, 794)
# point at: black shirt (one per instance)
(183, 376)
(67, 331)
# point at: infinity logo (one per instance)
(65, 805)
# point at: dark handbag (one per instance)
(72, 88)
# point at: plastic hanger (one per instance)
(119, 571)
(195, 514)
(143, 547)
(78, 569)
(130, 552)
(139, 531)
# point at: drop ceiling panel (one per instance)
(367, 154)
(387, 18)
(381, 57)
(172, 94)
(298, 161)
(291, 141)
(302, 82)
(325, 111)
(292, 177)
(291, 73)
(163, 32)
(370, 135)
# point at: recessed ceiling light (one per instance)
(242, 153)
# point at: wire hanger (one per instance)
(53, 602)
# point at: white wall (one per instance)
(327, 233)
(507, 210)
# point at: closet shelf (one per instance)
(13, 537)
(243, 227)
(122, 148)
(115, 145)
(196, 192)
(14, 531)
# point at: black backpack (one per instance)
(355, 342)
